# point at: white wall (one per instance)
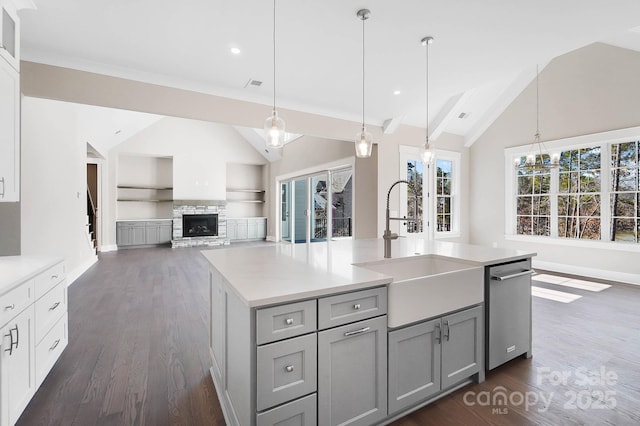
(590, 90)
(54, 206)
(200, 152)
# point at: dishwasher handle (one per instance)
(515, 275)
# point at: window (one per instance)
(438, 202)
(579, 194)
(624, 194)
(444, 178)
(533, 202)
(594, 194)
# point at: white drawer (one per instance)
(48, 279)
(49, 309)
(14, 302)
(49, 349)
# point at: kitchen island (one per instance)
(333, 333)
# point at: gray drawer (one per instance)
(282, 322)
(301, 412)
(286, 370)
(350, 307)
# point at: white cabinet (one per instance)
(9, 133)
(9, 34)
(33, 329)
(17, 365)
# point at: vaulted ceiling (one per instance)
(482, 50)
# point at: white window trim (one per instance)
(428, 199)
(604, 139)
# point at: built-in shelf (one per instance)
(159, 188)
(144, 200)
(255, 196)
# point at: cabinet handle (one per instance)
(55, 305)
(54, 277)
(55, 344)
(12, 345)
(288, 321)
(438, 334)
(289, 368)
(516, 275)
(9, 307)
(10, 336)
(356, 306)
(354, 332)
(447, 332)
(2, 179)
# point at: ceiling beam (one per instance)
(501, 103)
(447, 113)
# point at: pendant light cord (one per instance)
(363, 75)
(274, 56)
(427, 89)
(537, 103)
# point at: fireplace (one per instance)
(199, 225)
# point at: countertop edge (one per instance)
(43, 263)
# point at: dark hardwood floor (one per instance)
(138, 355)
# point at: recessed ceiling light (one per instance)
(235, 50)
(396, 92)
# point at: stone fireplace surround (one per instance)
(181, 207)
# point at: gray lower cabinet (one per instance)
(301, 412)
(139, 233)
(432, 356)
(252, 228)
(352, 365)
(130, 233)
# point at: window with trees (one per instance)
(624, 194)
(533, 202)
(444, 183)
(579, 194)
(594, 194)
(415, 176)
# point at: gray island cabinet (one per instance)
(299, 336)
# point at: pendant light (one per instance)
(425, 150)
(274, 127)
(363, 140)
(534, 161)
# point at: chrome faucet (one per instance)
(388, 235)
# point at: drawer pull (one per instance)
(289, 368)
(55, 344)
(356, 306)
(55, 305)
(9, 307)
(355, 332)
(54, 277)
(289, 321)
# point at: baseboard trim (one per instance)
(75, 274)
(111, 247)
(603, 274)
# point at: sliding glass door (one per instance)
(317, 207)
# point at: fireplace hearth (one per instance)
(199, 225)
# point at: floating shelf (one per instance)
(245, 201)
(144, 200)
(159, 188)
(256, 191)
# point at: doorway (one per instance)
(93, 201)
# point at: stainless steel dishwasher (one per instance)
(508, 312)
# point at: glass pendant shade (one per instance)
(426, 155)
(364, 143)
(274, 129)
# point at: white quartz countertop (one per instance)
(17, 269)
(285, 272)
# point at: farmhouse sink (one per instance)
(427, 286)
